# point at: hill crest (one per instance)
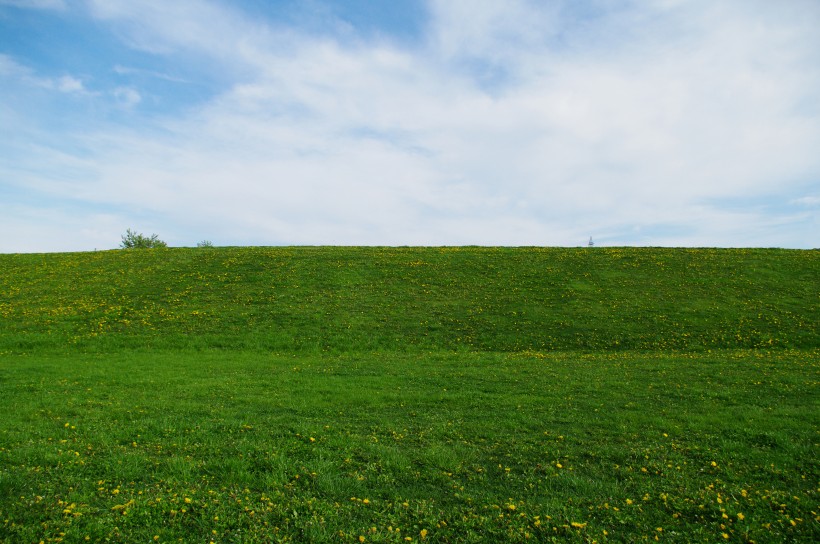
(347, 299)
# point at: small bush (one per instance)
(133, 240)
(205, 243)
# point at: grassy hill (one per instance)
(306, 299)
(453, 395)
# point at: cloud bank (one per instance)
(511, 123)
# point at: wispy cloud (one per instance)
(127, 96)
(505, 123)
(35, 4)
(10, 67)
(126, 70)
(68, 84)
(808, 201)
(65, 84)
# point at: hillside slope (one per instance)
(357, 299)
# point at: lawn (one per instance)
(446, 447)
(360, 395)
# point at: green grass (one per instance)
(408, 299)
(440, 394)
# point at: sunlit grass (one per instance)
(404, 299)
(410, 394)
(467, 447)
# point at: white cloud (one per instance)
(37, 230)
(199, 26)
(35, 4)
(12, 69)
(511, 124)
(68, 84)
(127, 97)
(808, 201)
(492, 31)
(126, 70)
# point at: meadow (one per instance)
(410, 395)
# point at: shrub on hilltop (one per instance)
(133, 240)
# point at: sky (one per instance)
(409, 122)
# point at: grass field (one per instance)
(408, 394)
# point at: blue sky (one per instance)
(409, 122)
